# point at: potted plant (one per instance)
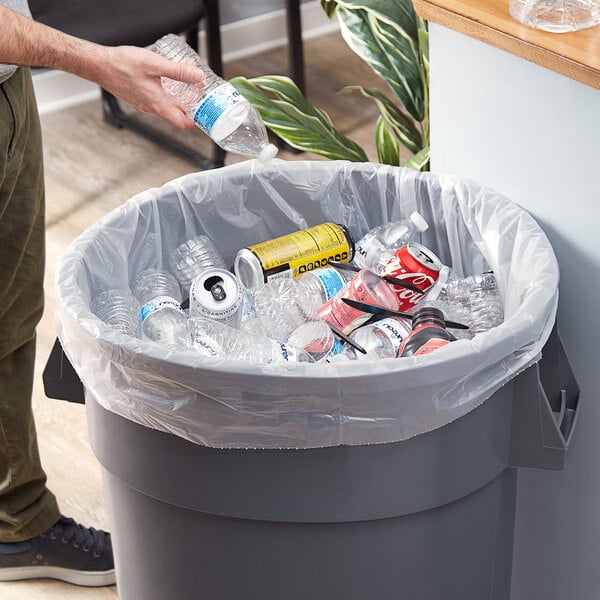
(393, 40)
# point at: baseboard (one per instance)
(56, 90)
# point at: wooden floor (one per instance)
(90, 169)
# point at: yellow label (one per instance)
(303, 250)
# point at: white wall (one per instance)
(534, 135)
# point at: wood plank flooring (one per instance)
(90, 169)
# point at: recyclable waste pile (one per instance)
(310, 296)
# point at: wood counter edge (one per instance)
(512, 44)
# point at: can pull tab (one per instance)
(216, 288)
(218, 292)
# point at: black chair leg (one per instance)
(296, 56)
(294, 32)
(114, 115)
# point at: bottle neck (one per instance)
(428, 316)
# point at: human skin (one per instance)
(133, 74)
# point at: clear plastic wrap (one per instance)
(231, 404)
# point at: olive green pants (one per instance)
(27, 508)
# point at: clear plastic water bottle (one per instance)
(377, 246)
(316, 338)
(192, 257)
(315, 288)
(119, 309)
(381, 339)
(282, 305)
(162, 317)
(207, 336)
(366, 287)
(217, 107)
(556, 16)
(474, 300)
(276, 307)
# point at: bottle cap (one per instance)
(418, 221)
(267, 153)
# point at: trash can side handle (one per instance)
(60, 379)
(545, 410)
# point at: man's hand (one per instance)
(133, 74)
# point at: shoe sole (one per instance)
(83, 578)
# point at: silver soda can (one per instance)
(217, 294)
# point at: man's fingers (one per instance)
(183, 72)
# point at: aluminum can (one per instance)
(293, 254)
(217, 294)
(415, 264)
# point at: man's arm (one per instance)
(133, 74)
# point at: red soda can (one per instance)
(414, 264)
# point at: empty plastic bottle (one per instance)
(192, 257)
(162, 317)
(282, 305)
(366, 287)
(557, 16)
(217, 107)
(119, 309)
(316, 338)
(474, 300)
(377, 246)
(381, 339)
(223, 341)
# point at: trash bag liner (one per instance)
(224, 403)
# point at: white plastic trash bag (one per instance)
(231, 404)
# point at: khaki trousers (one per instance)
(27, 508)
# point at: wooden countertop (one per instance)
(576, 54)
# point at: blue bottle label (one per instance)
(214, 105)
(159, 303)
(331, 281)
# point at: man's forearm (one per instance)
(25, 42)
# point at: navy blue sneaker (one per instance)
(67, 551)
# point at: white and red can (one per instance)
(416, 265)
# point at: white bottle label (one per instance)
(288, 353)
(215, 104)
(159, 303)
(393, 331)
(367, 251)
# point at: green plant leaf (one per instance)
(291, 117)
(401, 124)
(384, 34)
(329, 6)
(420, 161)
(388, 149)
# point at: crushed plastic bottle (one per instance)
(219, 340)
(282, 305)
(474, 300)
(217, 107)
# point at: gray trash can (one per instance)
(386, 480)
